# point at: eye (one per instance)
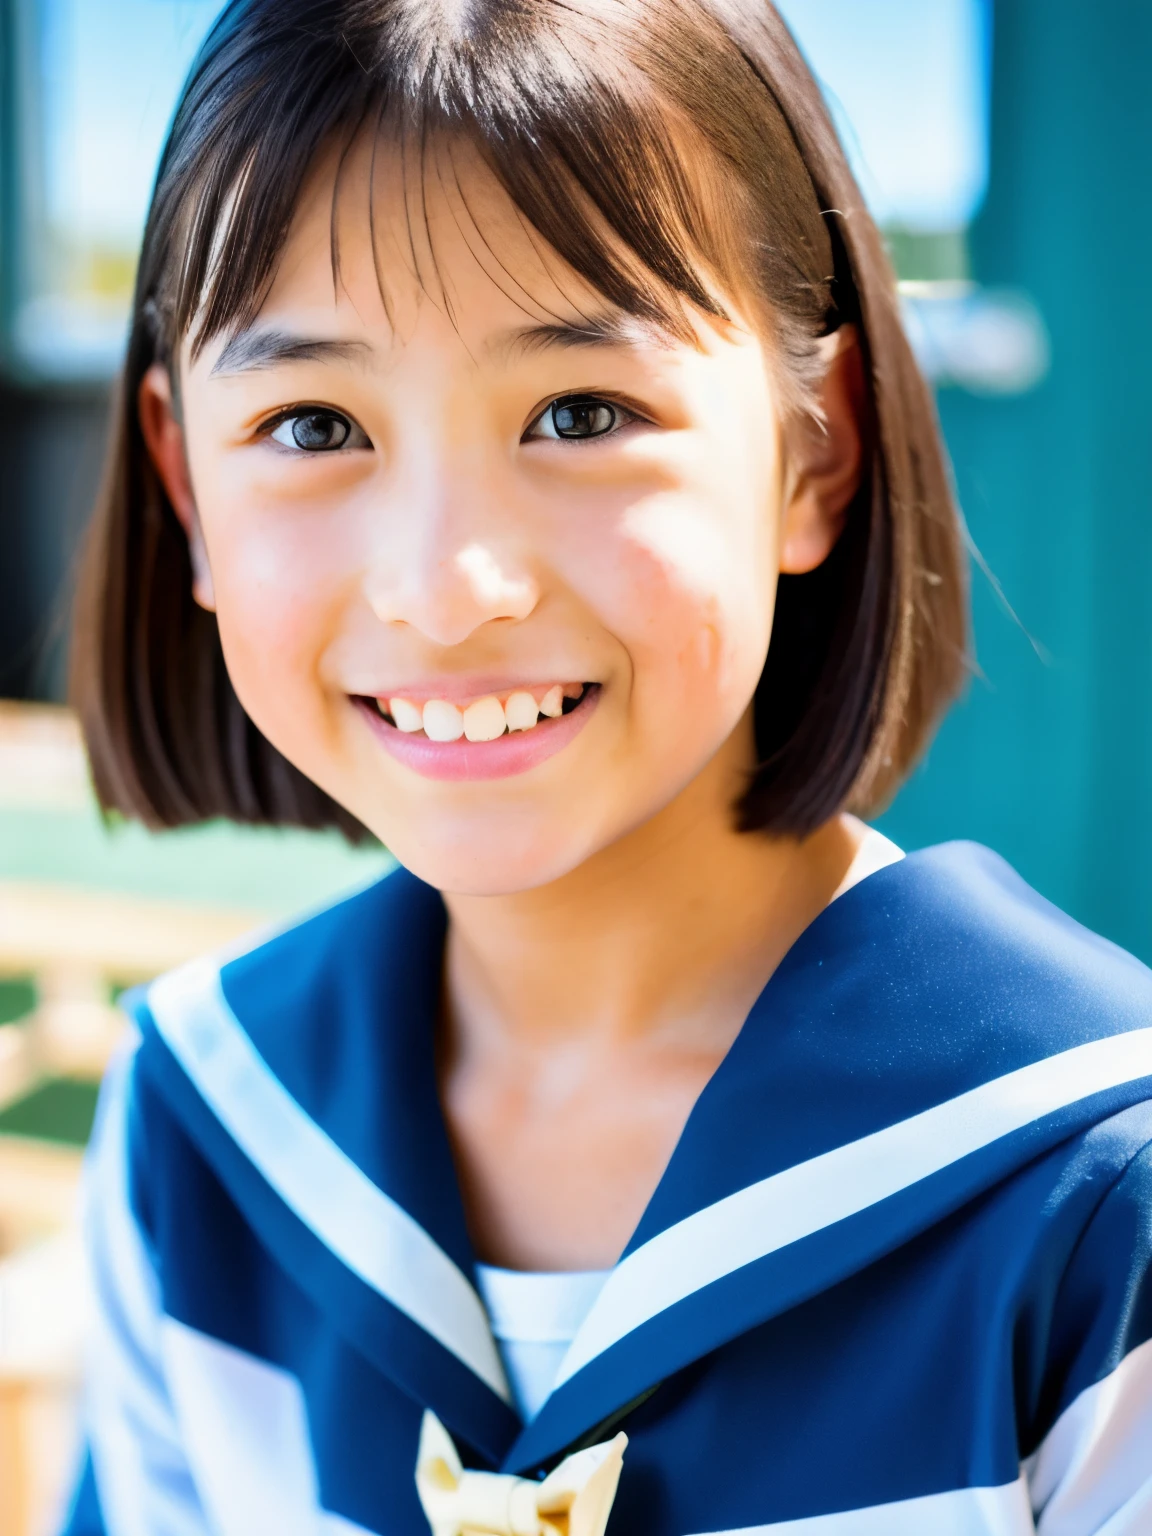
(578, 416)
(314, 430)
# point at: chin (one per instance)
(490, 857)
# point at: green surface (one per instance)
(939, 256)
(268, 869)
(17, 998)
(61, 1109)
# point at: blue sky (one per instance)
(905, 79)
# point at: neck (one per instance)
(669, 933)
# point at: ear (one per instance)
(827, 454)
(164, 438)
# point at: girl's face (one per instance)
(490, 502)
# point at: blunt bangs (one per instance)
(583, 111)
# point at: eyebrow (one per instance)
(265, 348)
(595, 331)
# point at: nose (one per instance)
(448, 578)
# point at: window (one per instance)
(97, 80)
(907, 82)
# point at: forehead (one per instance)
(381, 231)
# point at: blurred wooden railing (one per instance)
(85, 911)
(77, 947)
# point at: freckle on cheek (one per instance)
(707, 648)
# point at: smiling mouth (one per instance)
(484, 719)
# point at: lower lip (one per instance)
(516, 752)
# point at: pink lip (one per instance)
(499, 759)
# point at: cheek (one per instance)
(695, 563)
(279, 578)
(689, 591)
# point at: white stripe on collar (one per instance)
(767, 1216)
(1002, 1511)
(374, 1236)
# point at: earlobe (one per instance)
(828, 458)
(164, 439)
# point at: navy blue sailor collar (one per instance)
(303, 1069)
(933, 1030)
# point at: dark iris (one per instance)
(320, 431)
(582, 418)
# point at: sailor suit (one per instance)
(896, 1277)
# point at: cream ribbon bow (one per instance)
(574, 1500)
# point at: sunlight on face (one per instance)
(487, 487)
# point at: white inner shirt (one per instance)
(535, 1317)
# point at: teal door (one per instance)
(1049, 758)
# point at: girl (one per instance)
(519, 457)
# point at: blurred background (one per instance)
(1002, 145)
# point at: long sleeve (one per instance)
(136, 1481)
(1092, 1473)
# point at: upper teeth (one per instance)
(408, 717)
(484, 719)
(520, 711)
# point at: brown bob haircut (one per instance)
(570, 103)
